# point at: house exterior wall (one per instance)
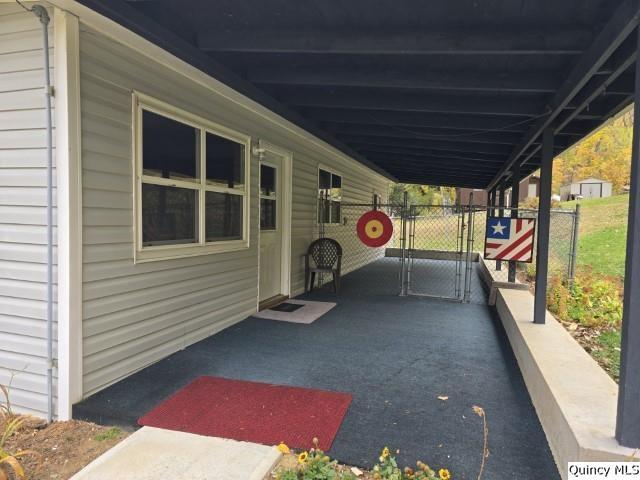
(23, 231)
(529, 188)
(480, 197)
(136, 314)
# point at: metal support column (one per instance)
(403, 258)
(628, 420)
(515, 198)
(544, 224)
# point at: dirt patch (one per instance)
(62, 448)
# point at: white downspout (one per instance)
(42, 14)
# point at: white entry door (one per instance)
(271, 208)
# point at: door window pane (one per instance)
(268, 214)
(225, 162)
(267, 180)
(170, 149)
(169, 215)
(329, 196)
(223, 216)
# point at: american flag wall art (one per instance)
(509, 239)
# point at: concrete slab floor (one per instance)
(396, 356)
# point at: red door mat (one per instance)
(253, 412)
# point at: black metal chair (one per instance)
(326, 254)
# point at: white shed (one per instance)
(589, 188)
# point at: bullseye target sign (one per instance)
(374, 228)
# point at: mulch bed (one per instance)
(62, 448)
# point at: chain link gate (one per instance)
(430, 253)
(440, 252)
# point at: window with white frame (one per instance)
(191, 184)
(329, 196)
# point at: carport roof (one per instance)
(443, 92)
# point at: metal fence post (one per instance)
(515, 199)
(403, 242)
(468, 264)
(574, 245)
(500, 214)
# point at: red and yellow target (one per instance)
(374, 228)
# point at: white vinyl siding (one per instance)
(136, 314)
(23, 236)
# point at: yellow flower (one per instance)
(302, 458)
(444, 474)
(385, 452)
(282, 448)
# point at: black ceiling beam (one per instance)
(461, 136)
(454, 184)
(608, 109)
(387, 118)
(454, 146)
(474, 81)
(439, 145)
(553, 41)
(620, 64)
(132, 19)
(594, 98)
(440, 155)
(392, 164)
(436, 178)
(433, 161)
(412, 102)
(477, 172)
(401, 164)
(613, 34)
(433, 157)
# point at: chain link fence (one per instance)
(435, 248)
(563, 243)
(386, 279)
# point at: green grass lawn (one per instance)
(608, 353)
(604, 250)
(603, 234)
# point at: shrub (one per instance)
(314, 465)
(590, 301)
(10, 466)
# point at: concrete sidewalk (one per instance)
(153, 453)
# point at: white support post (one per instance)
(69, 207)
